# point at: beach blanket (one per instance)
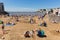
(9, 25)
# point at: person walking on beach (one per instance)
(3, 28)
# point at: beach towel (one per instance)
(9, 25)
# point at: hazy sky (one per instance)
(29, 5)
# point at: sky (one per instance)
(29, 5)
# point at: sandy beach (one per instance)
(29, 19)
(16, 32)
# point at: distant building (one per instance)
(1, 7)
(2, 11)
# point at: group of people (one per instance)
(7, 23)
(28, 34)
(39, 33)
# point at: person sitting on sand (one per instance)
(44, 24)
(58, 31)
(31, 20)
(39, 17)
(8, 23)
(54, 21)
(13, 23)
(43, 16)
(17, 19)
(41, 33)
(32, 33)
(27, 34)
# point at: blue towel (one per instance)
(9, 25)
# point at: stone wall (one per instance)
(53, 17)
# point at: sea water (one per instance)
(26, 13)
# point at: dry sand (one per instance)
(16, 32)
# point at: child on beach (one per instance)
(41, 33)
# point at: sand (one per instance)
(16, 32)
